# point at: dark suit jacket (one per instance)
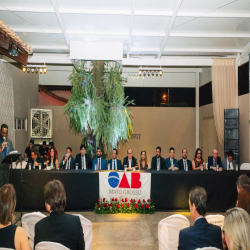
(133, 162)
(39, 160)
(9, 149)
(201, 234)
(119, 164)
(210, 162)
(168, 163)
(181, 165)
(79, 161)
(65, 229)
(103, 164)
(154, 163)
(72, 163)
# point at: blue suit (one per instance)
(119, 164)
(103, 164)
(210, 162)
(168, 163)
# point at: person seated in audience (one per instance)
(51, 145)
(198, 161)
(115, 164)
(236, 229)
(241, 181)
(171, 162)
(82, 159)
(214, 160)
(27, 153)
(229, 163)
(68, 161)
(11, 236)
(201, 234)
(52, 162)
(35, 160)
(130, 161)
(244, 198)
(99, 161)
(184, 161)
(43, 150)
(158, 160)
(59, 227)
(143, 163)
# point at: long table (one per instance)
(169, 189)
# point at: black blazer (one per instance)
(65, 229)
(210, 162)
(72, 163)
(154, 163)
(181, 165)
(133, 162)
(201, 234)
(38, 159)
(78, 160)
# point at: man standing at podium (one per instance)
(5, 148)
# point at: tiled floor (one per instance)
(125, 231)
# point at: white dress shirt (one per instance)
(231, 165)
(129, 163)
(83, 161)
(114, 161)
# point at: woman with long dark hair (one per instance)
(143, 163)
(198, 161)
(52, 162)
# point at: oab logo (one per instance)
(114, 180)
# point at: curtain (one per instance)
(224, 90)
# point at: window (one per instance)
(21, 124)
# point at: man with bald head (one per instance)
(130, 161)
(214, 160)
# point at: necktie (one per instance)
(114, 165)
(228, 165)
(83, 162)
(99, 163)
(67, 165)
(34, 166)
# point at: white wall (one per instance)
(205, 76)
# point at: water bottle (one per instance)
(217, 167)
(51, 165)
(201, 167)
(40, 166)
(237, 167)
(95, 167)
(186, 167)
(29, 166)
(173, 168)
(76, 166)
(158, 167)
(108, 166)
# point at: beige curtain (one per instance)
(224, 92)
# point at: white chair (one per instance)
(215, 219)
(47, 245)
(245, 166)
(2, 248)
(168, 231)
(87, 231)
(207, 248)
(28, 223)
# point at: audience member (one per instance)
(229, 163)
(59, 227)
(115, 164)
(184, 162)
(201, 234)
(241, 181)
(82, 159)
(68, 161)
(52, 162)
(51, 145)
(35, 160)
(171, 162)
(99, 161)
(43, 150)
(11, 236)
(157, 160)
(214, 160)
(130, 161)
(143, 163)
(27, 153)
(198, 161)
(244, 198)
(236, 229)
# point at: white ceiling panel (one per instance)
(12, 20)
(26, 3)
(156, 6)
(146, 42)
(98, 23)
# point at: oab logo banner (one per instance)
(131, 185)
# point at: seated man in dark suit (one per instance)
(83, 159)
(171, 162)
(184, 161)
(158, 160)
(68, 161)
(130, 161)
(229, 162)
(214, 160)
(201, 234)
(115, 164)
(99, 161)
(59, 227)
(35, 160)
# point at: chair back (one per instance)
(87, 231)
(47, 245)
(245, 166)
(216, 219)
(28, 223)
(169, 229)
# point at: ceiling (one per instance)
(146, 28)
